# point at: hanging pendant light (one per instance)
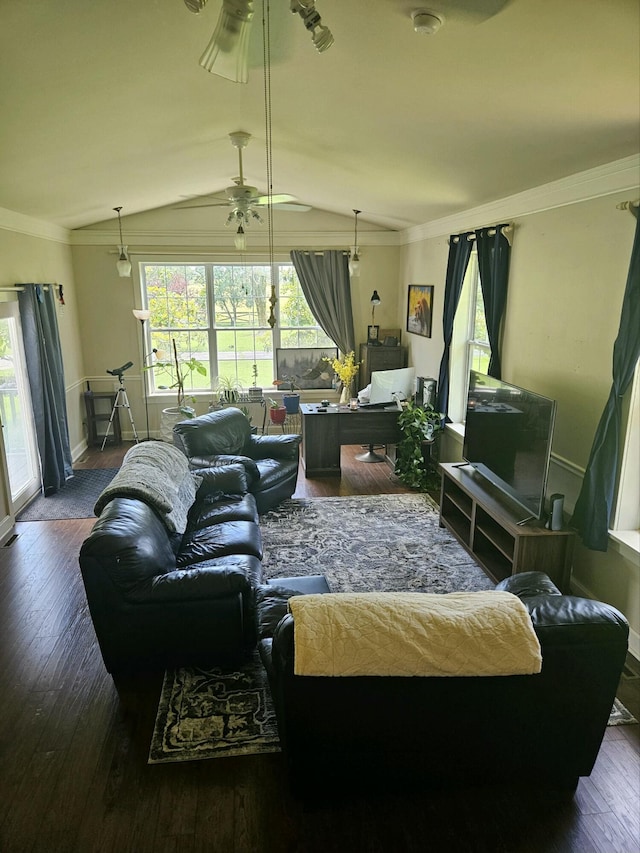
(354, 257)
(123, 263)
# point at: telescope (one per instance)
(118, 371)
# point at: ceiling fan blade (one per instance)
(276, 198)
(227, 54)
(287, 205)
(208, 204)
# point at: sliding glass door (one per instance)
(18, 443)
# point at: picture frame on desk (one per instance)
(420, 309)
(373, 334)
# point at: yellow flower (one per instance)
(345, 368)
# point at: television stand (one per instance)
(490, 529)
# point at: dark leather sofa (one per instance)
(224, 436)
(525, 729)
(158, 598)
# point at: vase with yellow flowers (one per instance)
(346, 369)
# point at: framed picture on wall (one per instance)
(373, 334)
(420, 309)
(307, 366)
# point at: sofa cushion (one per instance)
(274, 471)
(219, 540)
(226, 508)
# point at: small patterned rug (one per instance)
(76, 499)
(366, 543)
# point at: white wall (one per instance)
(568, 273)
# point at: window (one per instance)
(219, 315)
(470, 348)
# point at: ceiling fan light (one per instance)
(240, 240)
(227, 54)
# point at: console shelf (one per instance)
(486, 525)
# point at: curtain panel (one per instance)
(592, 511)
(325, 282)
(45, 369)
(494, 253)
(459, 253)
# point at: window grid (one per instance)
(218, 314)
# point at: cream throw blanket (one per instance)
(409, 633)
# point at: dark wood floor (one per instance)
(74, 776)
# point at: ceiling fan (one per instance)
(227, 54)
(243, 199)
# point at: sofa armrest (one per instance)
(526, 584)
(196, 463)
(198, 583)
(274, 446)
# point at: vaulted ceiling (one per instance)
(105, 104)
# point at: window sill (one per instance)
(627, 543)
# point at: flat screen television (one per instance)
(507, 439)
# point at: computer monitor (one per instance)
(389, 385)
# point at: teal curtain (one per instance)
(43, 356)
(592, 512)
(494, 253)
(459, 253)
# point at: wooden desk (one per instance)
(323, 432)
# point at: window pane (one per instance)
(241, 294)
(480, 322)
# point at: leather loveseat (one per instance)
(158, 597)
(544, 728)
(225, 436)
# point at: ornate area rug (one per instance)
(388, 543)
(214, 714)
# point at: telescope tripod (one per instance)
(121, 402)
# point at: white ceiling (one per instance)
(105, 104)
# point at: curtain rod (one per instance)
(505, 230)
(627, 205)
(21, 287)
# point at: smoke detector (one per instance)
(426, 22)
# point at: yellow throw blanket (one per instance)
(414, 634)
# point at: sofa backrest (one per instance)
(224, 432)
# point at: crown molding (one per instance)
(11, 220)
(604, 180)
(256, 238)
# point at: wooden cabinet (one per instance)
(98, 406)
(487, 526)
(374, 357)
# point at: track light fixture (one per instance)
(354, 257)
(321, 36)
(123, 263)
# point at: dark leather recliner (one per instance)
(523, 729)
(224, 437)
(157, 598)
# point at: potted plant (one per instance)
(229, 389)
(290, 399)
(255, 392)
(277, 413)
(346, 369)
(418, 425)
(178, 369)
